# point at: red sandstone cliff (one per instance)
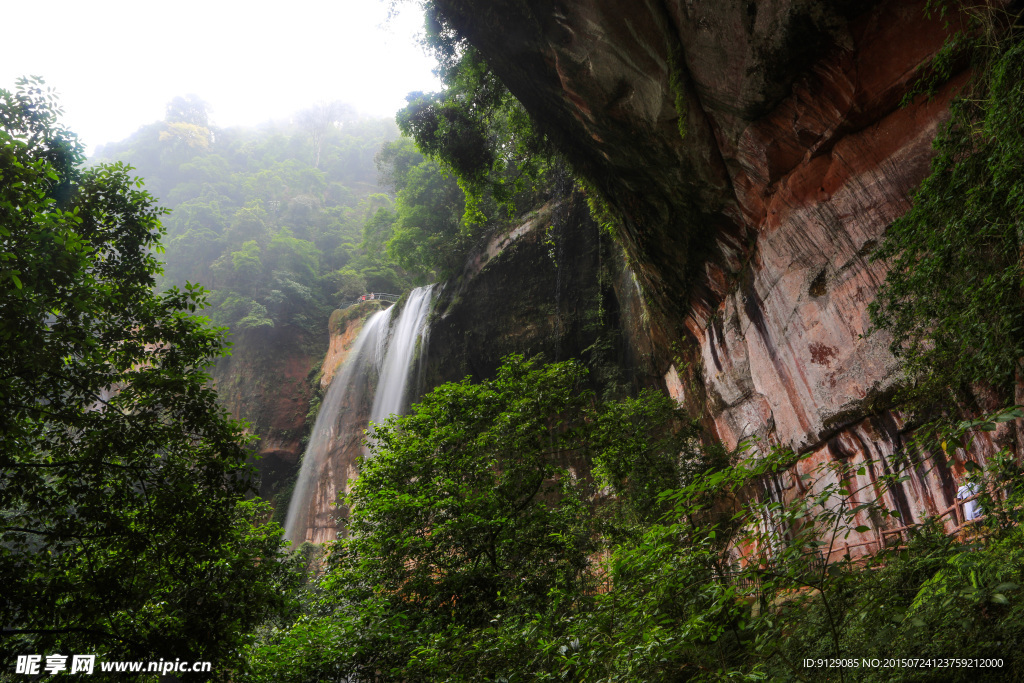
(751, 231)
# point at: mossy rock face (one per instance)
(749, 155)
(265, 381)
(525, 301)
(653, 102)
(340, 317)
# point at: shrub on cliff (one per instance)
(952, 298)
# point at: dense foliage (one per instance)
(493, 162)
(479, 549)
(124, 528)
(423, 234)
(476, 127)
(287, 221)
(270, 219)
(476, 509)
(952, 299)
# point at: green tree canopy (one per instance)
(478, 130)
(123, 525)
(478, 507)
(298, 257)
(259, 185)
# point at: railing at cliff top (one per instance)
(372, 296)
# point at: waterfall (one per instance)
(385, 349)
(390, 397)
(343, 392)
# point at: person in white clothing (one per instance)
(972, 510)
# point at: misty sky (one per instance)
(116, 63)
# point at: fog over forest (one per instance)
(116, 64)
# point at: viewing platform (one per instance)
(372, 296)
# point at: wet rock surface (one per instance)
(757, 152)
(549, 284)
(266, 382)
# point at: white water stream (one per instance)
(387, 347)
(396, 367)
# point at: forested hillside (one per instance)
(270, 219)
(285, 221)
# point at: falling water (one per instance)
(328, 423)
(397, 362)
(384, 349)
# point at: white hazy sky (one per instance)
(117, 63)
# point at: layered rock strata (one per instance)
(756, 152)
